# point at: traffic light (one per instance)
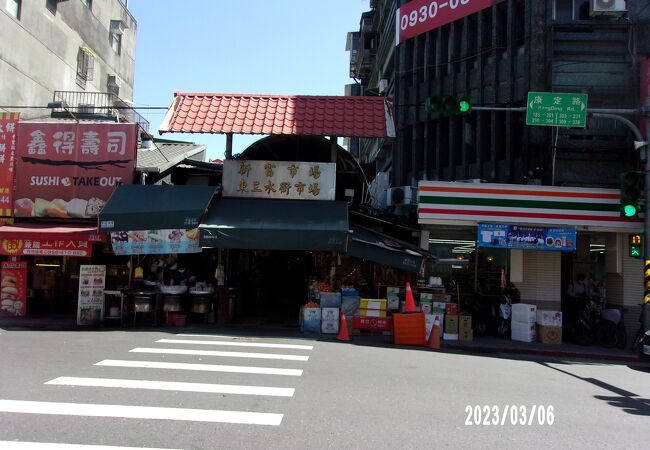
(632, 185)
(635, 246)
(448, 104)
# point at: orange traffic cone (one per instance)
(434, 337)
(409, 305)
(343, 329)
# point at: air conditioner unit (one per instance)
(401, 195)
(608, 7)
(86, 108)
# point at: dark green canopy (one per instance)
(380, 248)
(155, 207)
(262, 224)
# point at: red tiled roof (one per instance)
(341, 116)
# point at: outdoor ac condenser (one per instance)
(608, 7)
(401, 195)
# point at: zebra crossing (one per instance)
(213, 356)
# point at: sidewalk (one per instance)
(481, 345)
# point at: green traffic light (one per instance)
(464, 106)
(629, 210)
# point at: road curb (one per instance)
(556, 353)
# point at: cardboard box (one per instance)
(310, 326)
(466, 335)
(392, 290)
(451, 308)
(549, 318)
(446, 298)
(330, 299)
(451, 323)
(426, 307)
(426, 297)
(311, 314)
(549, 334)
(523, 331)
(373, 307)
(450, 336)
(524, 313)
(464, 324)
(393, 302)
(350, 305)
(438, 307)
(430, 319)
(330, 326)
(329, 314)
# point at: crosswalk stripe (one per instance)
(174, 386)
(200, 367)
(235, 344)
(173, 351)
(21, 445)
(140, 412)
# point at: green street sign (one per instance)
(554, 109)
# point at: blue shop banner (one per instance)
(523, 237)
(155, 242)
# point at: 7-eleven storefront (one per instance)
(537, 237)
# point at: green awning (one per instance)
(380, 248)
(155, 207)
(261, 224)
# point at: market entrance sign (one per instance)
(556, 109)
(291, 180)
(419, 16)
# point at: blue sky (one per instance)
(237, 46)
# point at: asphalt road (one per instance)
(92, 388)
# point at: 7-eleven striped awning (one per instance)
(468, 203)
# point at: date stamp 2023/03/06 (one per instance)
(501, 415)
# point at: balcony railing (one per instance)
(97, 105)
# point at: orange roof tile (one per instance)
(341, 116)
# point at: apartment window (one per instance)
(88, 3)
(51, 5)
(568, 10)
(85, 66)
(13, 7)
(115, 35)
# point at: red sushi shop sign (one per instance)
(69, 170)
(46, 247)
(419, 16)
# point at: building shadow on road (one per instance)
(628, 401)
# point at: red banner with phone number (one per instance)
(420, 16)
(13, 290)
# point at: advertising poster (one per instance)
(419, 16)
(13, 291)
(155, 242)
(8, 123)
(46, 247)
(69, 170)
(92, 280)
(522, 237)
(279, 180)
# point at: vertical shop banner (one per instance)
(92, 280)
(8, 123)
(522, 237)
(279, 180)
(419, 16)
(13, 293)
(69, 170)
